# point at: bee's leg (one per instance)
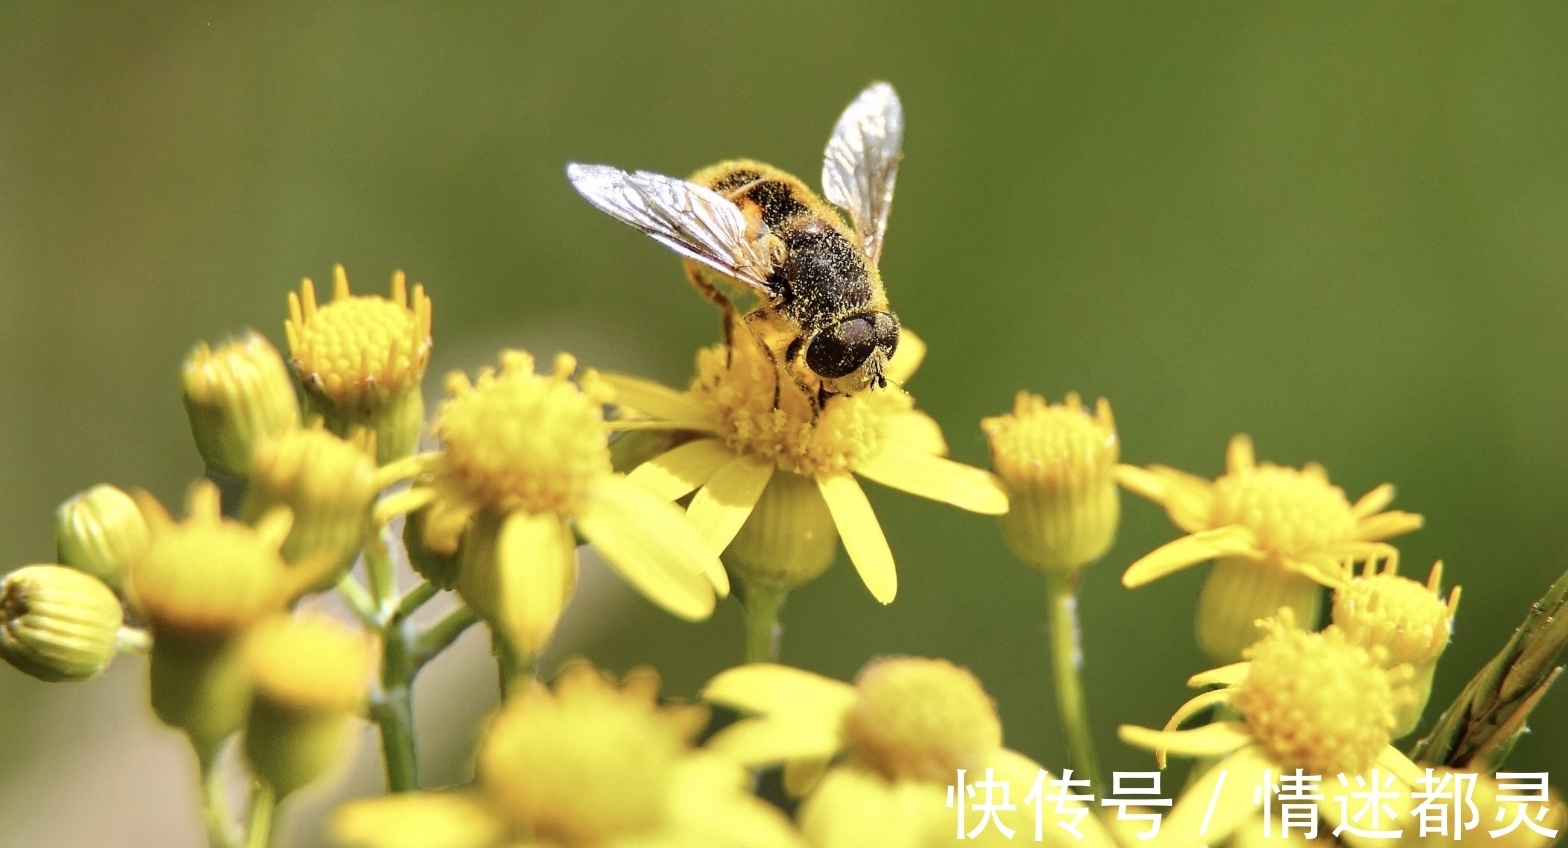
(711, 293)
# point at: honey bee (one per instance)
(814, 276)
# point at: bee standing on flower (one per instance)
(821, 303)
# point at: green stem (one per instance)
(431, 642)
(383, 581)
(512, 664)
(1066, 661)
(416, 598)
(762, 622)
(215, 806)
(392, 709)
(357, 599)
(263, 802)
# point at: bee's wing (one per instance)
(692, 220)
(861, 162)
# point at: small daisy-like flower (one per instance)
(1313, 701)
(585, 766)
(1276, 535)
(1059, 466)
(898, 736)
(57, 623)
(308, 674)
(1410, 621)
(760, 432)
(360, 360)
(524, 461)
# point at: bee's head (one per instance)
(860, 341)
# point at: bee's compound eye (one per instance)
(839, 350)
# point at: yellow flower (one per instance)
(899, 735)
(760, 431)
(235, 396)
(1313, 701)
(100, 531)
(1276, 534)
(308, 675)
(1411, 622)
(57, 623)
(524, 460)
(360, 360)
(587, 766)
(1059, 466)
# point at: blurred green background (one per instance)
(1341, 228)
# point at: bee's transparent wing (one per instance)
(690, 219)
(861, 162)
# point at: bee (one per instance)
(814, 276)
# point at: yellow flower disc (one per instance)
(209, 578)
(1060, 445)
(1406, 618)
(356, 350)
(1316, 701)
(580, 768)
(758, 410)
(309, 664)
(519, 440)
(920, 719)
(1293, 512)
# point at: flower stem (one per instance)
(215, 805)
(440, 636)
(416, 598)
(393, 709)
(762, 622)
(512, 664)
(357, 599)
(263, 802)
(1066, 662)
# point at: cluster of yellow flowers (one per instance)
(747, 481)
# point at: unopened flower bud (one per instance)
(1058, 463)
(100, 531)
(327, 483)
(236, 395)
(57, 623)
(360, 360)
(1410, 622)
(308, 675)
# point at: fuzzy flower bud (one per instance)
(360, 360)
(1058, 464)
(328, 483)
(100, 531)
(308, 675)
(57, 623)
(236, 395)
(920, 719)
(1409, 622)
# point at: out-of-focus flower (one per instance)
(1411, 622)
(100, 531)
(237, 395)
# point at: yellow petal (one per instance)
(1390, 759)
(916, 432)
(1187, 498)
(1239, 457)
(1225, 675)
(650, 543)
(537, 560)
(721, 506)
(418, 820)
(1210, 740)
(711, 804)
(1373, 502)
(680, 471)
(1386, 525)
(1217, 803)
(652, 398)
(1020, 773)
(906, 360)
(404, 502)
(939, 479)
(801, 776)
(771, 688)
(852, 808)
(1234, 540)
(445, 520)
(766, 741)
(862, 534)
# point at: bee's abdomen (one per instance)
(822, 273)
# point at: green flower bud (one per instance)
(57, 623)
(236, 395)
(100, 531)
(327, 483)
(789, 538)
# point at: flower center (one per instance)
(1398, 613)
(582, 769)
(1317, 702)
(920, 719)
(208, 577)
(520, 440)
(759, 410)
(359, 351)
(1293, 512)
(1045, 444)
